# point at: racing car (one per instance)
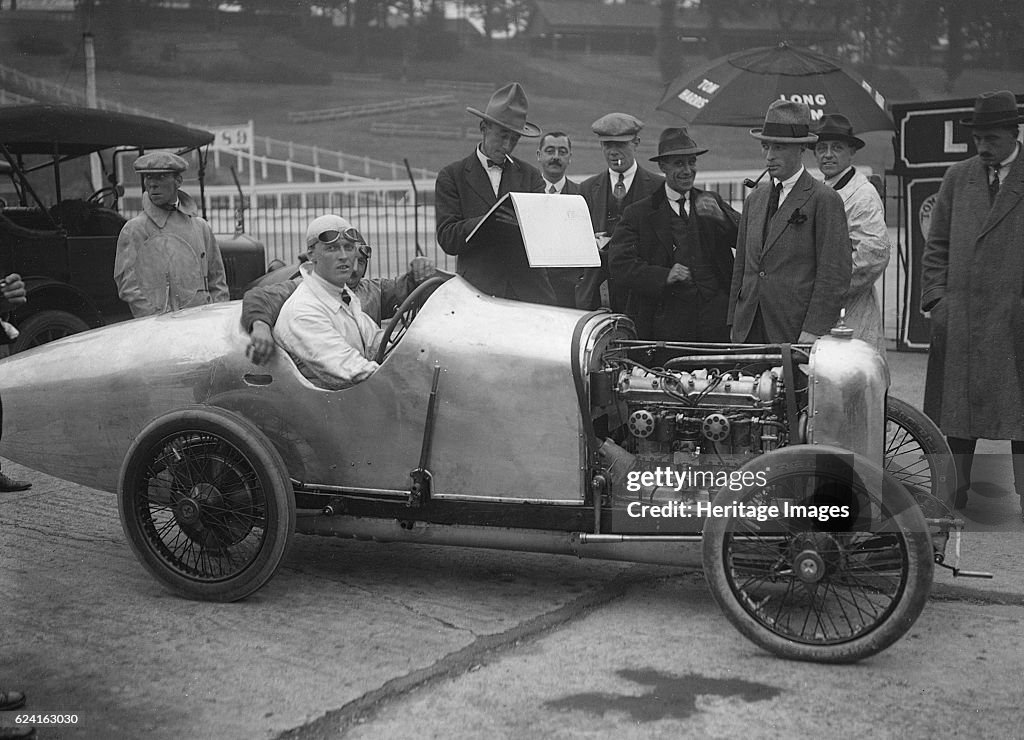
(816, 506)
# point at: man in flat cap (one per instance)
(673, 251)
(972, 271)
(167, 257)
(466, 190)
(608, 194)
(793, 255)
(865, 215)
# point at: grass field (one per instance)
(568, 92)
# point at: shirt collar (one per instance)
(791, 181)
(327, 292)
(627, 175)
(483, 158)
(838, 177)
(674, 194)
(559, 186)
(1009, 160)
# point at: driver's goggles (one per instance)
(333, 235)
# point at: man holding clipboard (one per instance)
(466, 191)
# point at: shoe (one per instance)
(10, 699)
(10, 485)
(17, 733)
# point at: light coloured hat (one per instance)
(507, 108)
(160, 162)
(786, 122)
(327, 222)
(617, 127)
(676, 141)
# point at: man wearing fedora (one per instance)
(608, 194)
(865, 215)
(466, 190)
(793, 256)
(972, 270)
(167, 257)
(673, 252)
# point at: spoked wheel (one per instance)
(806, 586)
(207, 504)
(916, 453)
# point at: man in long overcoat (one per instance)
(793, 255)
(672, 252)
(972, 281)
(466, 190)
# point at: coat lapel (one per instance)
(477, 179)
(796, 199)
(1010, 193)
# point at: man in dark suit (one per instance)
(554, 154)
(608, 194)
(793, 254)
(673, 252)
(466, 190)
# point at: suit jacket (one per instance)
(971, 278)
(564, 279)
(800, 276)
(595, 191)
(497, 266)
(642, 252)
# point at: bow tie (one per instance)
(492, 163)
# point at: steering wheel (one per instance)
(404, 316)
(110, 190)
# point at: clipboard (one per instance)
(554, 229)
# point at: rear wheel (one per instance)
(207, 504)
(916, 453)
(833, 591)
(46, 326)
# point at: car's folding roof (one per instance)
(67, 130)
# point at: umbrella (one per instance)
(736, 90)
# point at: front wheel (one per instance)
(206, 504)
(810, 582)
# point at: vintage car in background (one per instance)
(499, 424)
(63, 246)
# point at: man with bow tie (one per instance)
(466, 190)
(167, 257)
(972, 272)
(793, 254)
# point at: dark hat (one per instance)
(786, 122)
(994, 109)
(836, 127)
(160, 162)
(507, 108)
(675, 141)
(617, 127)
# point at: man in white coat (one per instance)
(865, 215)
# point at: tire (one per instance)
(206, 504)
(46, 326)
(830, 592)
(916, 453)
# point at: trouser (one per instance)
(963, 458)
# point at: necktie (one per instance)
(619, 191)
(346, 298)
(993, 185)
(551, 189)
(773, 207)
(492, 163)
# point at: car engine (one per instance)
(692, 426)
